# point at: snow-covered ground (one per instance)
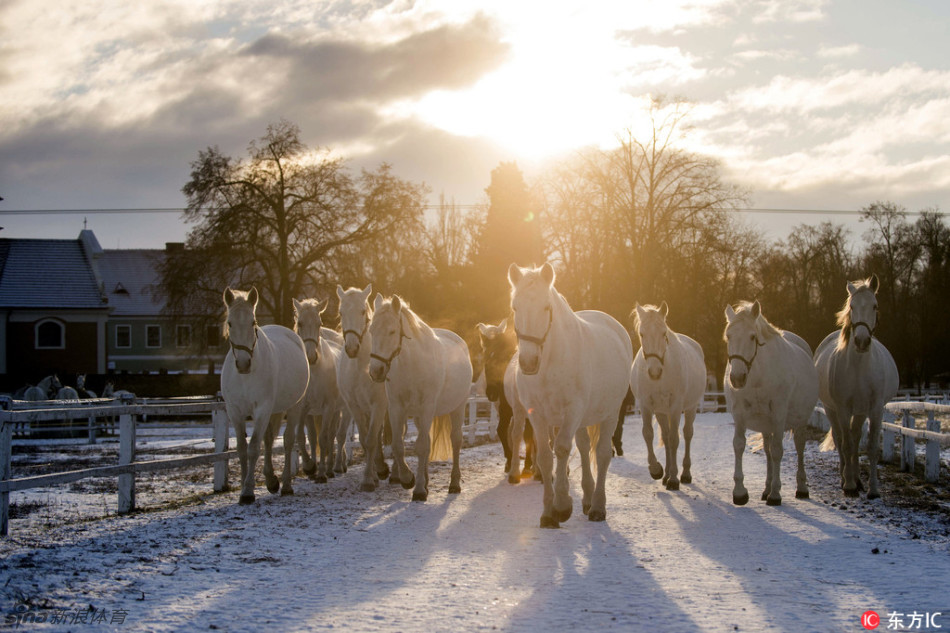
(333, 558)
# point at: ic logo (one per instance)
(870, 620)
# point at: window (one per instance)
(50, 334)
(123, 336)
(153, 336)
(182, 335)
(213, 335)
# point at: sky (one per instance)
(809, 104)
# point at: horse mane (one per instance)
(416, 325)
(843, 317)
(238, 294)
(763, 329)
(648, 308)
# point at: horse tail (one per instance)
(827, 444)
(440, 438)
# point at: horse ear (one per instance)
(664, 309)
(483, 329)
(874, 282)
(340, 292)
(297, 305)
(228, 296)
(378, 301)
(397, 304)
(730, 313)
(515, 274)
(503, 326)
(547, 274)
(756, 309)
(368, 290)
(852, 288)
(252, 296)
(322, 306)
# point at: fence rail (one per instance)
(906, 430)
(23, 417)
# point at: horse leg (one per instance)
(327, 434)
(767, 445)
(583, 441)
(253, 453)
(874, 450)
(240, 433)
(273, 425)
(671, 432)
(531, 468)
(369, 439)
(563, 503)
(689, 416)
(656, 471)
(287, 476)
(516, 434)
(801, 481)
(546, 466)
(740, 496)
(851, 437)
(503, 430)
(344, 421)
(302, 429)
(379, 425)
(458, 416)
(604, 453)
(400, 472)
(775, 469)
(423, 445)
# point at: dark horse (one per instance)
(499, 345)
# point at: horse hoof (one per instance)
(527, 473)
(563, 515)
(394, 479)
(246, 500)
(514, 479)
(320, 479)
(330, 474)
(538, 477)
(656, 471)
(367, 487)
(454, 490)
(801, 495)
(871, 496)
(309, 471)
(383, 473)
(597, 515)
(549, 523)
(420, 496)
(672, 484)
(287, 491)
(686, 479)
(776, 501)
(273, 485)
(740, 500)
(765, 496)
(409, 484)
(851, 493)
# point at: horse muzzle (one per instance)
(529, 366)
(352, 351)
(378, 372)
(862, 344)
(738, 380)
(655, 373)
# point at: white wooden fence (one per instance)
(905, 410)
(26, 418)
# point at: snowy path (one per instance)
(334, 558)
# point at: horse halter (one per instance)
(534, 339)
(389, 361)
(661, 359)
(245, 348)
(359, 335)
(748, 363)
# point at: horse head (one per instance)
(498, 346)
(308, 320)
(355, 315)
(240, 326)
(743, 339)
(532, 298)
(388, 330)
(650, 324)
(858, 318)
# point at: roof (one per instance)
(128, 279)
(41, 273)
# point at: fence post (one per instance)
(126, 456)
(932, 468)
(219, 421)
(908, 451)
(472, 420)
(887, 445)
(6, 447)
(92, 429)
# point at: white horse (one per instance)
(771, 387)
(65, 392)
(365, 399)
(45, 389)
(427, 374)
(81, 387)
(573, 374)
(668, 379)
(265, 374)
(322, 398)
(856, 377)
